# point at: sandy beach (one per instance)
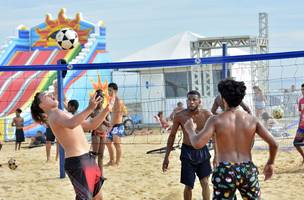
(138, 177)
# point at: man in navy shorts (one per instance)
(194, 162)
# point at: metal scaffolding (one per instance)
(257, 44)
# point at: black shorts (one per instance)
(194, 162)
(49, 135)
(85, 175)
(19, 135)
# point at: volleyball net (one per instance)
(150, 87)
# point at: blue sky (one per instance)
(135, 24)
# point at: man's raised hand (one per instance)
(190, 126)
(94, 101)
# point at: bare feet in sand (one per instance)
(110, 163)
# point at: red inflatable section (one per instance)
(22, 79)
(13, 87)
(32, 84)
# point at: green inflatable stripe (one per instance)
(73, 53)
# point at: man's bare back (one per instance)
(234, 134)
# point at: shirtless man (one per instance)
(118, 129)
(18, 122)
(218, 103)
(193, 161)
(73, 106)
(80, 165)
(234, 131)
(179, 107)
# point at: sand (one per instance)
(138, 177)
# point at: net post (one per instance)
(224, 68)
(61, 106)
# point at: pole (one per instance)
(61, 106)
(224, 68)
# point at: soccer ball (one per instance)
(277, 113)
(66, 38)
(12, 164)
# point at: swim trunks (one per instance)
(85, 175)
(227, 177)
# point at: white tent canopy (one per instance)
(177, 46)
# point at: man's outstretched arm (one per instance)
(273, 148)
(200, 139)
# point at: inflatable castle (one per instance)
(36, 46)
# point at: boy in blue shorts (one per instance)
(118, 129)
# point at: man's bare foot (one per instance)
(110, 163)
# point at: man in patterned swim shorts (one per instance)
(234, 131)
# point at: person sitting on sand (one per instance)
(166, 124)
(37, 140)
